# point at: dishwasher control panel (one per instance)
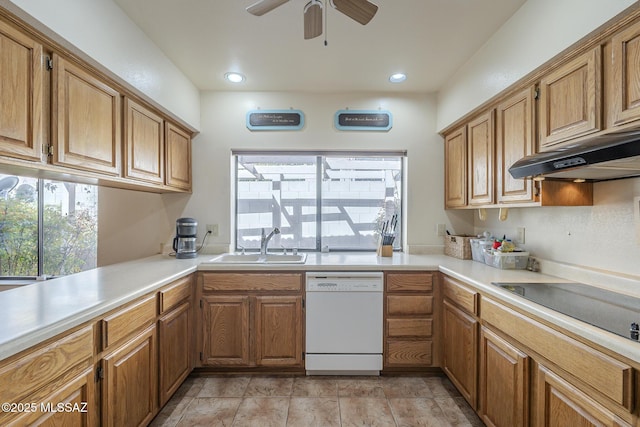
(345, 282)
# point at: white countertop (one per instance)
(31, 314)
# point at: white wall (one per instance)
(537, 32)
(101, 29)
(223, 129)
(605, 236)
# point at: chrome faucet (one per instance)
(264, 240)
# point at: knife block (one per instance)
(385, 250)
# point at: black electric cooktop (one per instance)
(604, 309)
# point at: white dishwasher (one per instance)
(344, 323)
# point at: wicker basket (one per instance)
(458, 246)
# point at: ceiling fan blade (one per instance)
(358, 10)
(312, 20)
(264, 6)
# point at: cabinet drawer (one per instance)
(127, 321)
(252, 282)
(609, 376)
(43, 365)
(408, 353)
(409, 305)
(460, 295)
(177, 292)
(409, 282)
(409, 327)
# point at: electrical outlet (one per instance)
(520, 235)
(441, 229)
(213, 229)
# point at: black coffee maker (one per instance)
(184, 244)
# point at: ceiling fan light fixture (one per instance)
(234, 77)
(397, 77)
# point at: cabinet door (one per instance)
(72, 403)
(225, 321)
(129, 388)
(455, 169)
(178, 169)
(571, 100)
(86, 120)
(461, 351)
(21, 95)
(559, 404)
(515, 140)
(504, 382)
(174, 335)
(481, 154)
(278, 330)
(143, 144)
(624, 103)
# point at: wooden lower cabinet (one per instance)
(460, 358)
(71, 404)
(251, 320)
(560, 404)
(130, 384)
(174, 339)
(278, 337)
(503, 390)
(225, 330)
(409, 321)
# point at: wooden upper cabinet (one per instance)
(480, 148)
(571, 100)
(178, 171)
(143, 143)
(514, 136)
(21, 95)
(624, 84)
(86, 120)
(455, 168)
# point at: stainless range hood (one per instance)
(612, 156)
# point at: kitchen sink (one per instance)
(234, 258)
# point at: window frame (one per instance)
(319, 155)
(41, 274)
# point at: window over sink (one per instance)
(47, 228)
(338, 200)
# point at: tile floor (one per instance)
(263, 401)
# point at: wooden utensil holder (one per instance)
(385, 250)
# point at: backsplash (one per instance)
(604, 237)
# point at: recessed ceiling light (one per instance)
(397, 77)
(234, 77)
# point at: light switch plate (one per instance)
(520, 235)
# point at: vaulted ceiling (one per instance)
(426, 39)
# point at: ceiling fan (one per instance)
(361, 11)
